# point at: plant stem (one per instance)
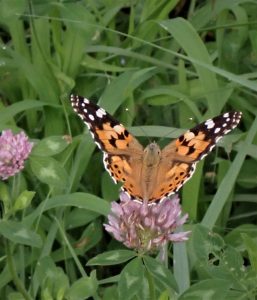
(18, 283)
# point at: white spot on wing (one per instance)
(209, 123)
(217, 130)
(118, 128)
(100, 113)
(91, 117)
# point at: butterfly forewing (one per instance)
(122, 151)
(197, 142)
(107, 132)
(124, 156)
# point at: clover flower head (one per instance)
(146, 228)
(14, 150)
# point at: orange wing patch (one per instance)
(113, 137)
(119, 167)
(192, 145)
(200, 140)
(172, 180)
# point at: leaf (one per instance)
(50, 146)
(229, 180)
(187, 37)
(161, 274)
(131, 279)
(80, 200)
(207, 289)
(251, 249)
(23, 200)
(248, 177)
(110, 293)
(5, 195)
(91, 236)
(206, 13)
(83, 288)
(92, 63)
(204, 242)
(123, 86)
(216, 259)
(228, 265)
(110, 191)
(113, 257)
(235, 237)
(12, 8)
(49, 277)
(78, 217)
(156, 131)
(80, 31)
(181, 266)
(49, 171)
(7, 113)
(191, 192)
(18, 233)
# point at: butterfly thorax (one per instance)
(152, 155)
(151, 161)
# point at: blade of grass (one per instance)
(190, 41)
(229, 180)
(191, 192)
(80, 200)
(181, 267)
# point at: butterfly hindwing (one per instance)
(169, 182)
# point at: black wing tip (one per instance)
(237, 114)
(235, 117)
(78, 99)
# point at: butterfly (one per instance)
(150, 174)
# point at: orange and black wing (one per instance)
(120, 148)
(180, 156)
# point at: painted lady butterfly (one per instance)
(151, 174)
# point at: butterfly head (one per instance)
(152, 154)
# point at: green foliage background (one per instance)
(172, 64)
